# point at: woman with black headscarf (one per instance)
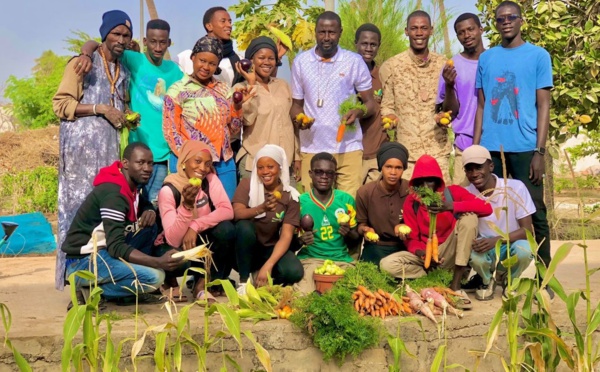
(267, 114)
(199, 107)
(379, 204)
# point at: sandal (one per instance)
(173, 294)
(206, 296)
(464, 302)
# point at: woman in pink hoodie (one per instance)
(189, 211)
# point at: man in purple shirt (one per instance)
(456, 91)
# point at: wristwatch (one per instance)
(540, 150)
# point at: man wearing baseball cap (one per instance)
(513, 206)
(91, 111)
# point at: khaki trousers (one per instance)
(455, 251)
(348, 165)
(370, 171)
(307, 284)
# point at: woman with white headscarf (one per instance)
(267, 213)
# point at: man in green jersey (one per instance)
(334, 216)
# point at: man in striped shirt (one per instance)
(119, 224)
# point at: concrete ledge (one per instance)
(27, 288)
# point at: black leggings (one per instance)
(251, 256)
(222, 238)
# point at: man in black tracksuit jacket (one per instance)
(123, 223)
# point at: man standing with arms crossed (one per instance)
(513, 112)
(456, 91)
(410, 81)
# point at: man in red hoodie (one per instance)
(123, 224)
(456, 227)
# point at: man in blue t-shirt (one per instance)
(151, 76)
(513, 112)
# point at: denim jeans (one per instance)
(226, 172)
(116, 278)
(159, 173)
(484, 264)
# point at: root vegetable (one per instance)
(434, 248)
(428, 253)
(440, 301)
(340, 132)
(417, 304)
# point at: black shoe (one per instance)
(502, 280)
(473, 284)
(142, 299)
(80, 300)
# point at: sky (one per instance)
(29, 27)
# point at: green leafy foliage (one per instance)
(295, 18)
(388, 15)
(368, 275)
(336, 327)
(570, 32)
(32, 96)
(331, 320)
(31, 190)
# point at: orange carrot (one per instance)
(340, 132)
(434, 250)
(428, 253)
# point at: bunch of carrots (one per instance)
(429, 303)
(430, 197)
(351, 103)
(378, 304)
(431, 248)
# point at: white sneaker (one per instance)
(241, 289)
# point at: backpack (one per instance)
(177, 196)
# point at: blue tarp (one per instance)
(34, 235)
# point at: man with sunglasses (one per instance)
(514, 81)
(331, 236)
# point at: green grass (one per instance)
(30, 191)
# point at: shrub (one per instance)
(30, 190)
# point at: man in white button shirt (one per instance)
(322, 78)
(516, 218)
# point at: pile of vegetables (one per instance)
(331, 320)
(329, 268)
(430, 197)
(431, 301)
(377, 303)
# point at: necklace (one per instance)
(322, 64)
(112, 80)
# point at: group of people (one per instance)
(239, 131)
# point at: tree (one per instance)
(292, 17)
(447, 43)
(569, 31)
(388, 15)
(32, 97)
